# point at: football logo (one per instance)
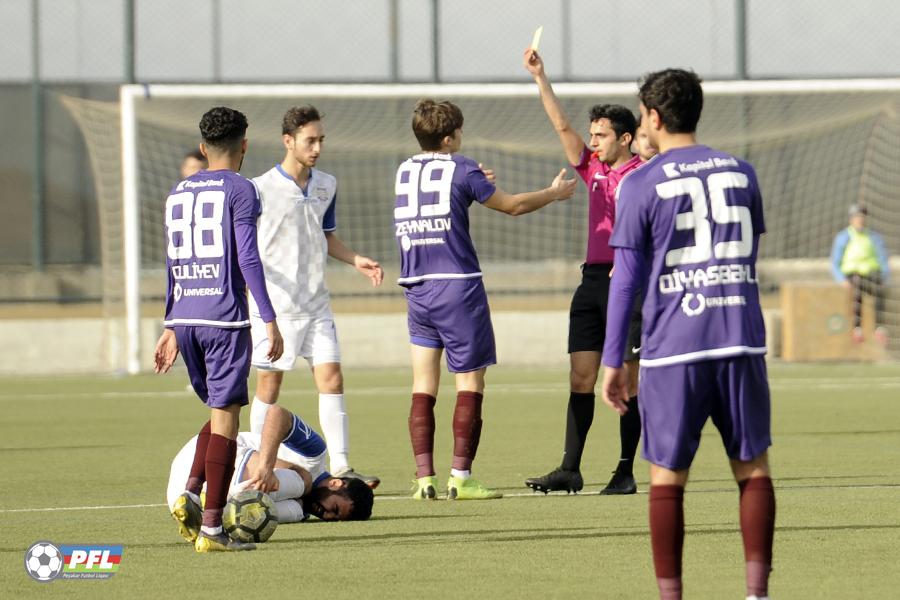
(43, 561)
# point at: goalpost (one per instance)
(818, 146)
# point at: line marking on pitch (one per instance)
(864, 486)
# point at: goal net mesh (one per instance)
(815, 152)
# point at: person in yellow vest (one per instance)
(859, 262)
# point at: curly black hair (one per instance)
(676, 95)
(620, 118)
(223, 128)
(361, 496)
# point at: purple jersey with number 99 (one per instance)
(431, 216)
(696, 214)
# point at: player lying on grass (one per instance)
(288, 462)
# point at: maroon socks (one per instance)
(421, 433)
(198, 469)
(667, 537)
(758, 531)
(466, 429)
(220, 456)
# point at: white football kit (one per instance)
(292, 246)
(247, 444)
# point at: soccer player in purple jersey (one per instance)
(687, 234)
(447, 303)
(601, 165)
(212, 258)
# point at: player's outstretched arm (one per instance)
(526, 202)
(365, 265)
(276, 427)
(571, 141)
(166, 351)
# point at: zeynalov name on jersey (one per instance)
(422, 226)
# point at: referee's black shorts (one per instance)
(587, 314)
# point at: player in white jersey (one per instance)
(296, 235)
(297, 460)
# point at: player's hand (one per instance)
(615, 389)
(370, 268)
(262, 479)
(846, 284)
(561, 188)
(276, 342)
(166, 352)
(488, 173)
(533, 63)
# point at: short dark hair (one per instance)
(433, 121)
(223, 128)
(677, 97)
(621, 119)
(298, 116)
(362, 497)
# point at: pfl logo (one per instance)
(44, 561)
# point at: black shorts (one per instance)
(587, 314)
(633, 345)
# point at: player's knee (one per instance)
(268, 385)
(582, 381)
(755, 467)
(329, 380)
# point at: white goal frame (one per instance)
(129, 94)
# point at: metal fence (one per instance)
(88, 47)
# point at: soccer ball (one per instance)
(250, 516)
(43, 561)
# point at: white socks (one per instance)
(336, 429)
(258, 410)
(460, 474)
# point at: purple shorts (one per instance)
(453, 314)
(218, 363)
(676, 401)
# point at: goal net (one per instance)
(818, 146)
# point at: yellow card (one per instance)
(536, 40)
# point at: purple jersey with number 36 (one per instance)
(696, 214)
(431, 216)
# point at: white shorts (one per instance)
(312, 338)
